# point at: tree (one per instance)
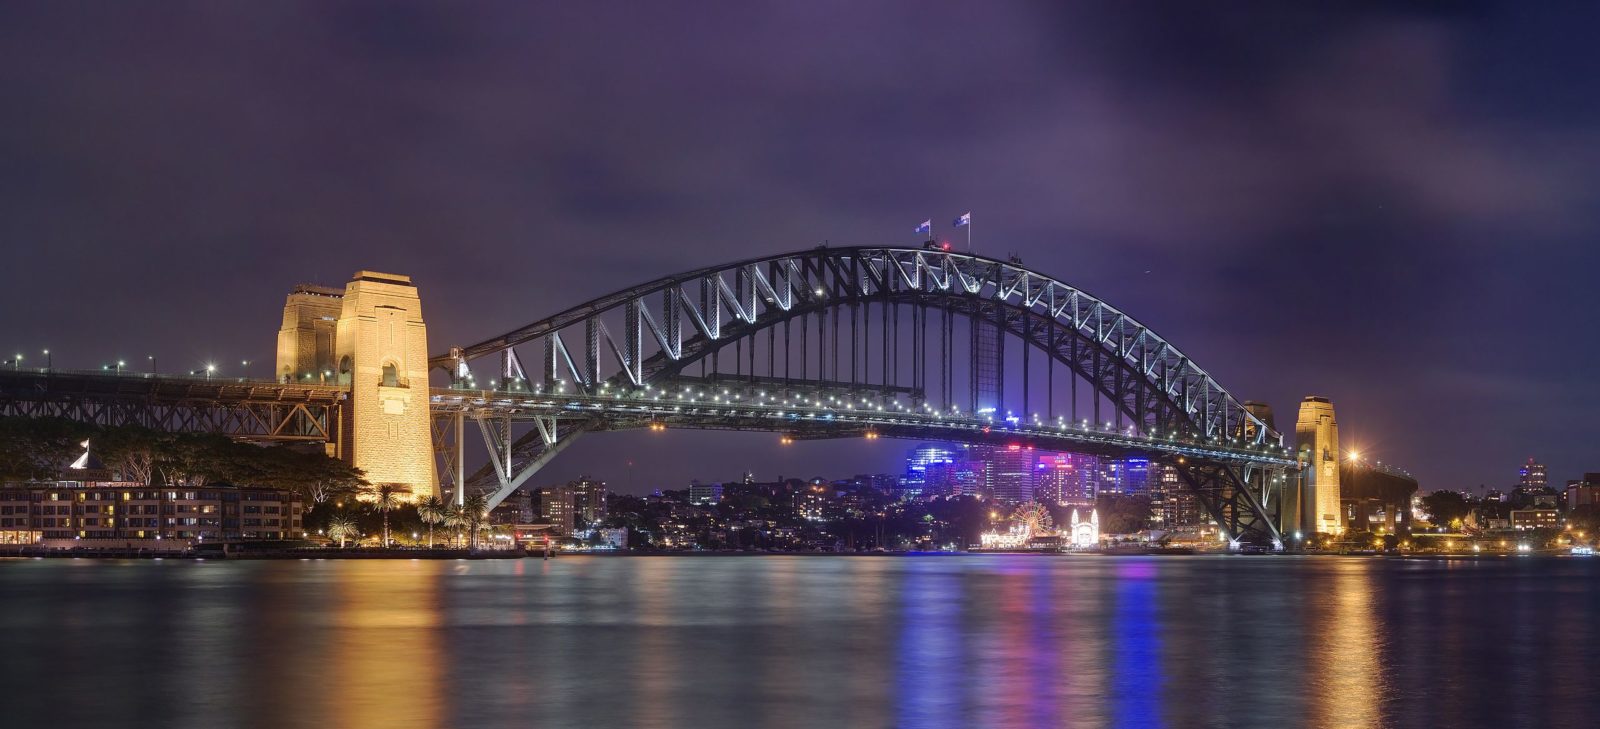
(38, 448)
(432, 511)
(1444, 507)
(325, 476)
(132, 451)
(453, 518)
(342, 527)
(474, 513)
(1122, 513)
(386, 497)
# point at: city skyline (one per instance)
(1394, 220)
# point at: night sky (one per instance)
(1389, 206)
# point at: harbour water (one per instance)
(802, 641)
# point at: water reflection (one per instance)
(384, 655)
(993, 641)
(1344, 649)
(1136, 657)
(928, 664)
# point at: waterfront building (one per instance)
(1536, 518)
(1317, 435)
(1085, 533)
(62, 514)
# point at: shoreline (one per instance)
(462, 554)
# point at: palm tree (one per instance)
(476, 510)
(386, 497)
(342, 527)
(455, 517)
(432, 511)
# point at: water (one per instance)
(948, 641)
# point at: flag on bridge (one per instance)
(926, 227)
(964, 220)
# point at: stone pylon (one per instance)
(1317, 441)
(378, 347)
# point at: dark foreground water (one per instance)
(952, 641)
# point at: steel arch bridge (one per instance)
(919, 343)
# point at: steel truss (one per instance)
(246, 410)
(641, 342)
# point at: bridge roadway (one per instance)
(254, 410)
(264, 410)
(809, 417)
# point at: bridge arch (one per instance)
(643, 341)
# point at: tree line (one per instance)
(42, 449)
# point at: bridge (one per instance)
(873, 342)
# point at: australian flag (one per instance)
(926, 227)
(964, 220)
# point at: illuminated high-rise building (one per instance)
(1008, 474)
(1317, 436)
(1532, 476)
(1172, 504)
(930, 470)
(1125, 476)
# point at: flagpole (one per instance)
(969, 232)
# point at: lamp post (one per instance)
(245, 364)
(152, 359)
(210, 368)
(16, 364)
(47, 359)
(120, 365)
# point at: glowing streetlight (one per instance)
(152, 359)
(120, 365)
(47, 359)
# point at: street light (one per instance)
(152, 359)
(47, 359)
(210, 368)
(120, 365)
(16, 364)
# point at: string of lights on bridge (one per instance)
(862, 410)
(120, 366)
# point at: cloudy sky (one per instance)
(1387, 205)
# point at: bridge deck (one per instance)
(629, 411)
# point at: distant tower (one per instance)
(305, 343)
(1532, 476)
(371, 338)
(1317, 436)
(1263, 412)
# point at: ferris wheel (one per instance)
(1033, 518)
